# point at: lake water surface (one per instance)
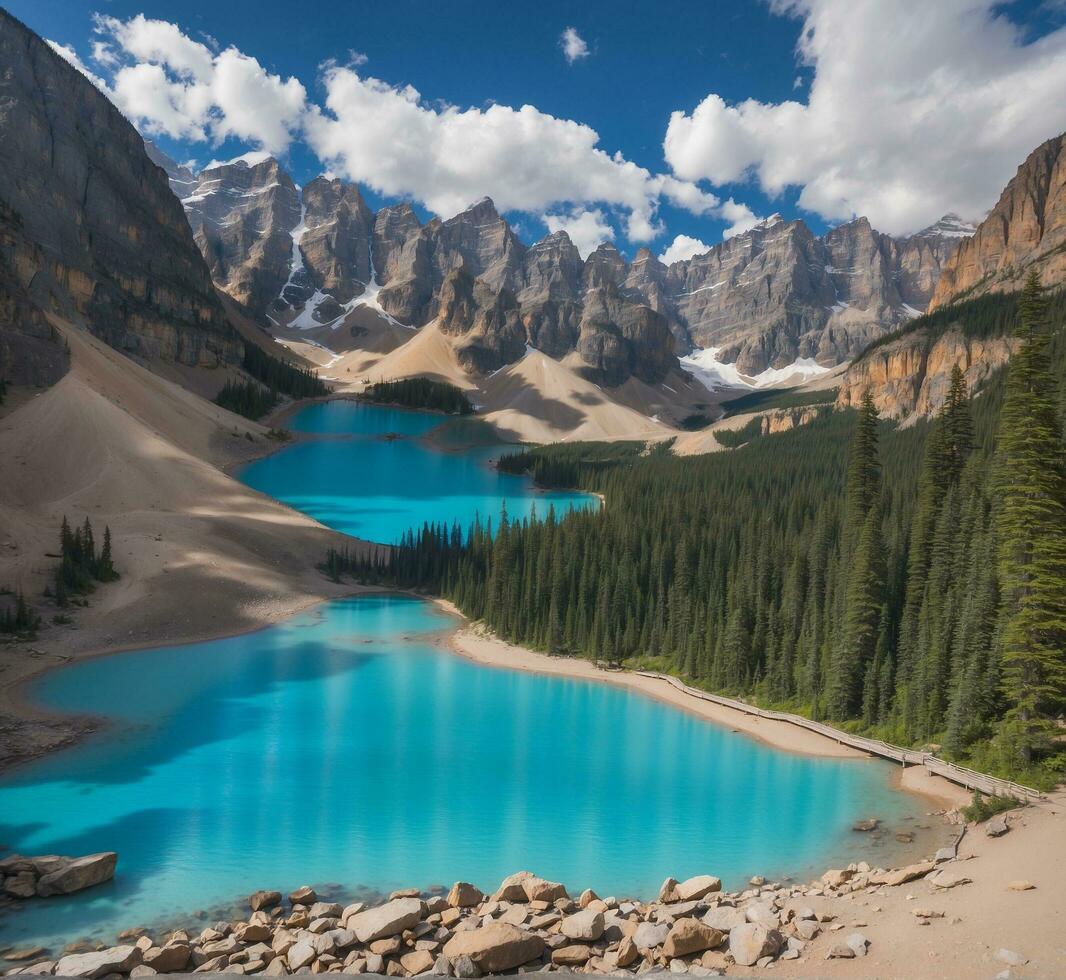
(349, 746)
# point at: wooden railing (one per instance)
(989, 785)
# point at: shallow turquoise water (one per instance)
(345, 746)
(373, 488)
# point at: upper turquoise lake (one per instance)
(356, 480)
(349, 746)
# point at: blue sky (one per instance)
(645, 61)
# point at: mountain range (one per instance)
(763, 299)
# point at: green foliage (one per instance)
(564, 464)
(1030, 520)
(985, 807)
(80, 564)
(437, 396)
(760, 401)
(281, 377)
(20, 620)
(695, 422)
(247, 398)
(734, 438)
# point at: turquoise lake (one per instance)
(348, 749)
(356, 481)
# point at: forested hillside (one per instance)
(908, 582)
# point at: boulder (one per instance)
(763, 914)
(587, 896)
(576, 955)
(495, 947)
(841, 951)
(648, 935)
(586, 925)
(944, 854)
(1021, 886)
(806, 929)
(511, 889)
(865, 826)
(169, 958)
(750, 942)
(418, 961)
(836, 877)
(117, 959)
(858, 942)
(264, 900)
(83, 872)
(540, 890)
(689, 936)
(464, 967)
(304, 895)
(627, 952)
(300, 955)
(910, 873)
(724, 917)
(698, 887)
(325, 910)
(997, 826)
(668, 890)
(389, 919)
(464, 895)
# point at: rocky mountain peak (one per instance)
(1025, 230)
(949, 226)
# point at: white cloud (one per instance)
(587, 229)
(914, 109)
(181, 88)
(740, 217)
(387, 137)
(683, 247)
(70, 56)
(573, 45)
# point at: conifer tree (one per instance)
(1031, 527)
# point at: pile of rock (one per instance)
(528, 924)
(51, 874)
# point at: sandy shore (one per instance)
(476, 644)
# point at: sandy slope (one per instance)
(199, 553)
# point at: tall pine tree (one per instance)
(1031, 527)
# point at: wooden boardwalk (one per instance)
(989, 785)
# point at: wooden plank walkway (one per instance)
(989, 785)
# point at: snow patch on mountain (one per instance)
(715, 374)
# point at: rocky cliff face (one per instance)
(1025, 230)
(910, 376)
(777, 293)
(89, 228)
(763, 299)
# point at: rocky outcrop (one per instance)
(778, 293)
(1025, 230)
(243, 218)
(89, 228)
(910, 376)
(336, 243)
(27, 877)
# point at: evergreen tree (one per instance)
(1031, 527)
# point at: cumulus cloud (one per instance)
(914, 109)
(683, 247)
(573, 45)
(168, 83)
(587, 229)
(389, 138)
(741, 218)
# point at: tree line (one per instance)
(424, 393)
(270, 378)
(909, 583)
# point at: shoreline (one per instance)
(473, 644)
